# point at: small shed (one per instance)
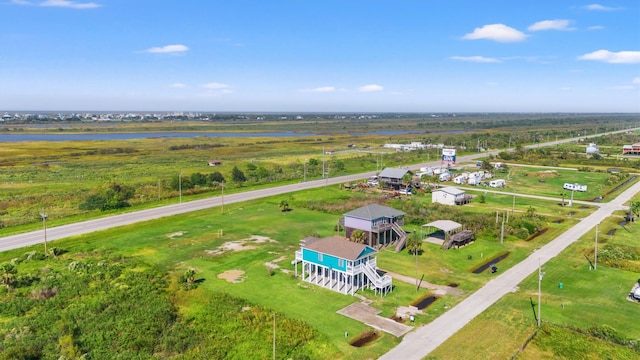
(215, 162)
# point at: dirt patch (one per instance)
(175, 234)
(239, 245)
(232, 276)
(273, 264)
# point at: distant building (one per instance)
(391, 178)
(215, 162)
(631, 149)
(592, 149)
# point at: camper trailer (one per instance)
(445, 176)
(575, 187)
(498, 183)
(461, 179)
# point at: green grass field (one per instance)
(188, 240)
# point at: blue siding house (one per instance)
(340, 265)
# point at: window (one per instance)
(341, 262)
(319, 256)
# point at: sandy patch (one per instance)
(274, 263)
(240, 245)
(175, 234)
(232, 276)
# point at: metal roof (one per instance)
(444, 225)
(450, 190)
(374, 211)
(393, 173)
(340, 247)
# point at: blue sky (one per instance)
(327, 56)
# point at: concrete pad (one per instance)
(369, 316)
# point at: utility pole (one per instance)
(274, 336)
(305, 171)
(180, 185)
(323, 162)
(502, 231)
(595, 252)
(222, 197)
(513, 206)
(44, 216)
(540, 275)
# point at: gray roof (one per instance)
(338, 246)
(393, 173)
(444, 225)
(374, 211)
(450, 190)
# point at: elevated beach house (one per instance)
(381, 224)
(337, 264)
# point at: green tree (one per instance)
(188, 279)
(406, 180)
(216, 177)
(635, 207)
(237, 175)
(359, 236)
(414, 243)
(8, 272)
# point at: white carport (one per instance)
(447, 226)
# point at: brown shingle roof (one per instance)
(337, 246)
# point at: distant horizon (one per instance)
(313, 112)
(321, 56)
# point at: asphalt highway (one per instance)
(60, 232)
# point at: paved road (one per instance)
(55, 233)
(425, 339)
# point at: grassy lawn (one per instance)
(588, 299)
(187, 241)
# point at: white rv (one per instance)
(445, 176)
(498, 183)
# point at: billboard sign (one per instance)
(449, 156)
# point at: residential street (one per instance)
(422, 341)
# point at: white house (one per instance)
(449, 196)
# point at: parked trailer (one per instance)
(497, 183)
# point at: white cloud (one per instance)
(322, 89)
(480, 59)
(598, 7)
(215, 86)
(558, 24)
(370, 88)
(70, 4)
(178, 86)
(21, 2)
(621, 57)
(496, 32)
(167, 49)
(636, 80)
(595, 27)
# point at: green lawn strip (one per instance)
(590, 298)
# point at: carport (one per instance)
(448, 227)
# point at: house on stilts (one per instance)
(337, 264)
(382, 225)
